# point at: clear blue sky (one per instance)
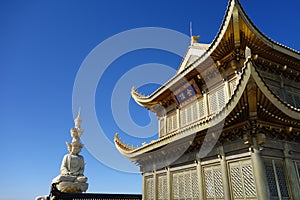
(42, 46)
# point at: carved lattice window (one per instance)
(189, 114)
(195, 186)
(213, 182)
(213, 103)
(194, 107)
(271, 180)
(175, 186)
(236, 182)
(202, 108)
(181, 186)
(149, 193)
(162, 187)
(183, 117)
(221, 98)
(282, 180)
(242, 180)
(276, 179)
(217, 100)
(172, 122)
(185, 185)
(162, 130)
(248, 177)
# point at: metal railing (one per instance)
(92, 196)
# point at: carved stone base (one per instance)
(66, 186)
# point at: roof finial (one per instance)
(194, 39)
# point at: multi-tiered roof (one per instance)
(243, 79)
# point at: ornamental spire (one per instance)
(78, 120)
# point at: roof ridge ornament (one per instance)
(194, 39)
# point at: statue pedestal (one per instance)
(66, 186)
(69, 183)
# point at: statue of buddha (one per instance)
(71, 178)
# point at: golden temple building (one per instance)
(229, 120)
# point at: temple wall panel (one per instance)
(184, 178)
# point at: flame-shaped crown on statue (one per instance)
(76, 133)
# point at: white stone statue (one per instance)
(71, 178)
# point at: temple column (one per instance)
(200, 183)
(169, 182)
(224, 171)
(259, 173)
(291, 173)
